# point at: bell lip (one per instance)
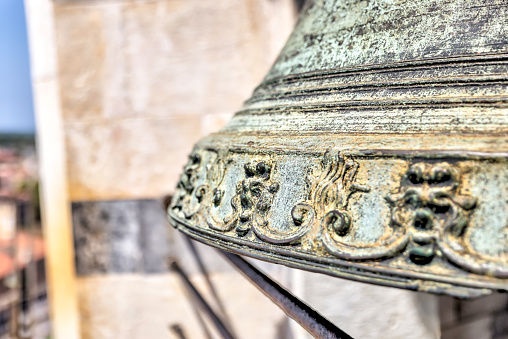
(380, 276)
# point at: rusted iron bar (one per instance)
(221, 328)
(308, 318)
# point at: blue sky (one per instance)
(16, 105)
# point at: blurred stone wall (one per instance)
(482, 318)
(140, 81)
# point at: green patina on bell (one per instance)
(375, 150)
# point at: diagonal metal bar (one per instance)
(199, 317)
(308, 318)
(211, 286)
(178, 331)
(221, 328)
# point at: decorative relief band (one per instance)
(428, 211)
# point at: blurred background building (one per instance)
(122, 89)
(24, 309)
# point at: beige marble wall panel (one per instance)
(127, 68)
(81, 50)
(133, 306)
(128, 158)
(369, 311)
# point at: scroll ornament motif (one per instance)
(330, 191)
(428, 218)
(251, 203)
(188, 196)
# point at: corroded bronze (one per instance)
(375, 149)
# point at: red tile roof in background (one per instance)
(26, 245)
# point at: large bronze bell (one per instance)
(375, 150)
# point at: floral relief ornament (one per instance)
(428, 218)
(430, 206)
(251, 202)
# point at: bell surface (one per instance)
(374, 150)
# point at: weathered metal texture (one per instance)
(375, 149)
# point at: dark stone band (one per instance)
(120, 236)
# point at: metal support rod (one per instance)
(223, 330)
(199, 317)
(308, 318)
(211, 286)
(178, 331)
